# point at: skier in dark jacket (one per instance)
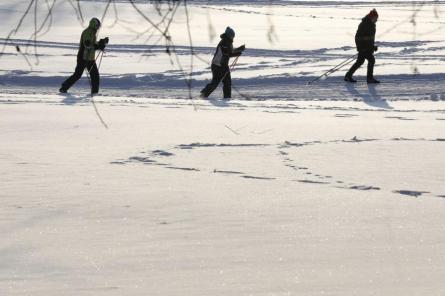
(220, 65)
(86, 57)
(365, 42)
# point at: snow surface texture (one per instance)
(329, 189)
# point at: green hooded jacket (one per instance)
(88, 42)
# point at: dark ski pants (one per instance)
(219, 74)
(362, 56)
(91, 68)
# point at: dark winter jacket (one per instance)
(224, 51)
(365, 36)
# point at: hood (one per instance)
(94, 24)
(230, 33)
(368, 20)
(225, 37)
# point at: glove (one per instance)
(242, 48)
(376, 48)
(103, 43)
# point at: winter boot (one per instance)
(372, 81)
(348, 78)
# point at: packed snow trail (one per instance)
(392, 88)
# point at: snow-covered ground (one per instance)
(288, 189)
(307, 39)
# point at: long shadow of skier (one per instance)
(371, 98)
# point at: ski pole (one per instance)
(341, 65)
(94, 63)
(233, 86)
(101, 56)
(334, 69)
(91, 85)
(231, 68)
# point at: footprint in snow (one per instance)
(345, 115)
(312, 182)
(161, 153)
(363, 187)
(182, 169)
(357, 140)
(145, 160)
(227, 172)
(410, 192)
(257, 178)
(400, 118)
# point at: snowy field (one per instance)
(288, 189)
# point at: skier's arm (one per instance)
(238, 51)
(365, 38)
(226, 50)
(88, 41)
(88, 44)
(364, 33)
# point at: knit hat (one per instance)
(373, 14)
(230, 32)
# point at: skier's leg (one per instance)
(216, 79)
(94, 74)
(357, 64)
(371, 62)
(227, 85)
(73, 78)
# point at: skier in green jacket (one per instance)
(86, 57)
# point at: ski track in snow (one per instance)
(283, 74)
(291, 91)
